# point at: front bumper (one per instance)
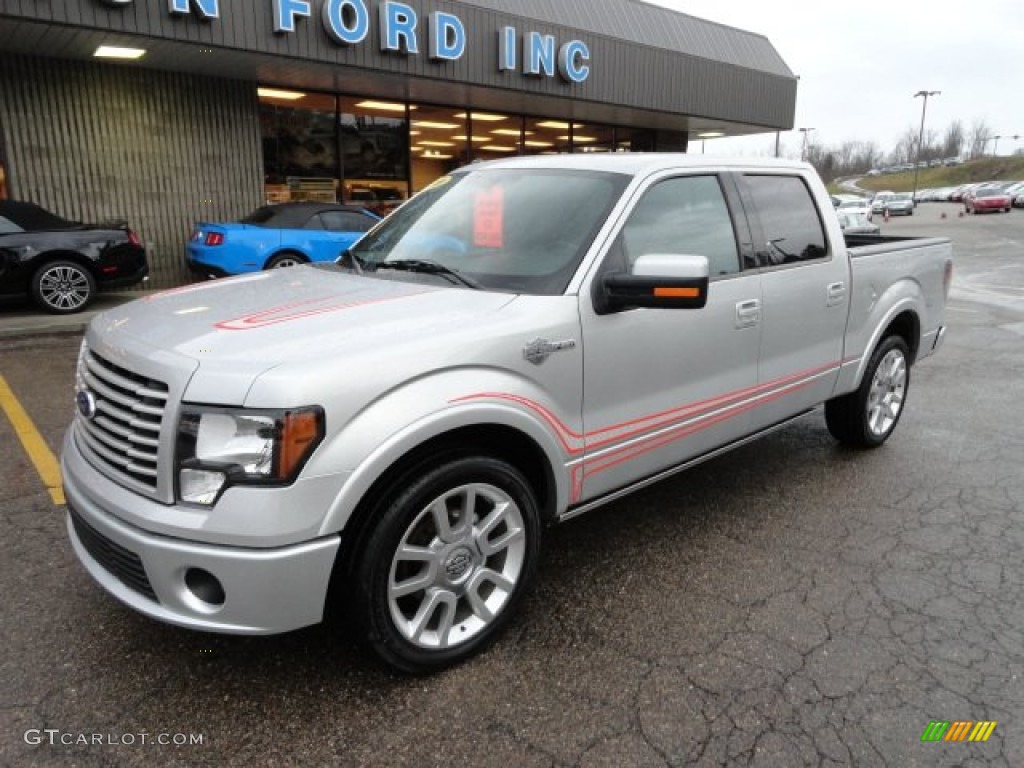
(265, 591)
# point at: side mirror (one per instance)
(658, 281)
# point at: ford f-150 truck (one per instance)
(523, 341)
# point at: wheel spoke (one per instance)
(502, 513)
(434, 600)
(411, 586)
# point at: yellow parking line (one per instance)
(36, 448)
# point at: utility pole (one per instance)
(920, 136)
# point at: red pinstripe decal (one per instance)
(289, 312)
(701, 415)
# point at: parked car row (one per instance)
(961, 194)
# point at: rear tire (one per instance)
(447, 561)
(63, 287)
(284, 260)
(866, 417)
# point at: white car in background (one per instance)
(878, 201)
(861, 205)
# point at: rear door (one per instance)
(664, 385)
(805, 288)
(340, 230)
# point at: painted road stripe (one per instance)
(36, 448)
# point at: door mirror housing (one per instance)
(657, 281)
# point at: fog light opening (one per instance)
(204, 586)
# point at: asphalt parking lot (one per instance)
(790, 604)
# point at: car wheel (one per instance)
(867, 417)
(445, 565)
(63, 287)
(286, 259)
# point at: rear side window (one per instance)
(687, 215)
(7, 226)
(789, 219)
(346, 221)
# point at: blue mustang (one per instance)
(277, 236)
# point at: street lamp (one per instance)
(920, 136)
(803, 150)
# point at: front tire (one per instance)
(867, 417)
(63, 287)
(447, 562)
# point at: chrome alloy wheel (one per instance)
(456, 566)
(64, 287)
(286, 261)
(888, 390)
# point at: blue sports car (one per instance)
(277, 236)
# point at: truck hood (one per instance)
(240, 327)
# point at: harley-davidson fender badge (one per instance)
(539, 350)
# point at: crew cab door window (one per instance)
(792, 230)
(687, 216)
(8, 227)
(664, 385)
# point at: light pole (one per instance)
(920, 136)
(995, 147)
(803, 150)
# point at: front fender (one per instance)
(404, 419)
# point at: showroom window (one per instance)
(374, 140)
(300, 146)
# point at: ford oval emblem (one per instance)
(86, 402)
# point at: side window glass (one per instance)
(789, 218)
(686, 215)
(346, 221)
(315, 222)
(8, 227)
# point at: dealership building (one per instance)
(168, 112)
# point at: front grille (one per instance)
(122, 563)
(124, 436)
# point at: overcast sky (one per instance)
(860, 64)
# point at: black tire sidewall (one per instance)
(35, 287)
(373, 567)
(888, 345)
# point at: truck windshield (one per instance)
(510, 230)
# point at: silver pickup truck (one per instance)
(523, 341)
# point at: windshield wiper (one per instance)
(427, 267)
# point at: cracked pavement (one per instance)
(790, 604)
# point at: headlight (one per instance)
(221, 447)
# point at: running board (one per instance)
(616, 495)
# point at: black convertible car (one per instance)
(61, 263)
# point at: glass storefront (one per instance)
(373, 152)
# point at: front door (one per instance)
(665, 385)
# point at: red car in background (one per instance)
(987, 199)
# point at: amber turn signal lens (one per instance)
(677, 293)
(302, 431)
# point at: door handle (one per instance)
(748, 313)
(836, 294)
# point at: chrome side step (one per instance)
(572, 512)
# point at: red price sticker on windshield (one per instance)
(489, 218)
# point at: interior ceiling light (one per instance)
(496, 148)
(557, 125)
(116, 52)
(274, 93)
(383, 106)
(436, 144)
(509, 132)
(483, 117)
(475, 139)
(710, 135)
(578, 139)
(435, 126)
(538, 143)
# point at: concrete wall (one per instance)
(93, 141)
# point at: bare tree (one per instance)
(980, 134)
(953, 142)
